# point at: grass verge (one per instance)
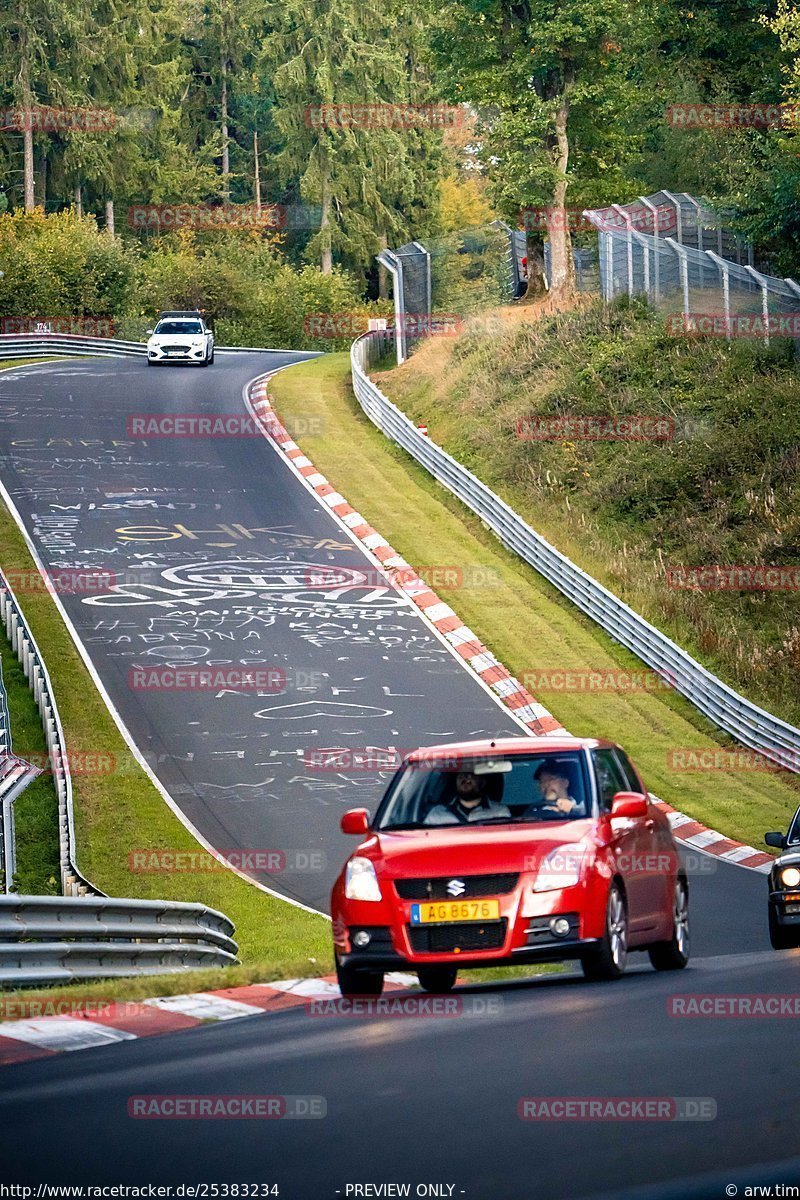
(719, 487)
(36, 808)
(519, 616)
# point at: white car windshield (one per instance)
(183, 327)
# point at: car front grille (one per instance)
(175, 349)
(441, 939)
(475, 885)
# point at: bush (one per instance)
(61, 265)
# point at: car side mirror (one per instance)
(355, 821)
(629, 804)
(775, 839)
(148, 332)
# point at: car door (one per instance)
(655, 857)
(626, 838)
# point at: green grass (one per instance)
(520, 617)
(121, 810)
(725, 490)
(36, 808)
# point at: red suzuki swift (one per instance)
(492, 853)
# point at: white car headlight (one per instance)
(790, 877)
(360, 881)
(561, 868)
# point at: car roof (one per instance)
(506, 746)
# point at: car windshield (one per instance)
(793, 836)
(179, 327)
(516, 789)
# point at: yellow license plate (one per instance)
(440, 911)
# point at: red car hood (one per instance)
(464, 850)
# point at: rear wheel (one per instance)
(674, 954)
(437, 979)
(608, 959)
(780, 937)
(353, 982)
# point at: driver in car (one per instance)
(470, 803)
(554, 790)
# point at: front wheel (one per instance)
(211, 359)
(608, 959)
(437, 979)
(353, 982)
(674, 954)
(780, 937)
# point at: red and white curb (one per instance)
(104, 1023)
(538, 719)
(699, 837)
(491, 672)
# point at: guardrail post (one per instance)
(393, 265)
(684, 272)
(724, 267)
(626, 216)
(676, 204)
(762, 281)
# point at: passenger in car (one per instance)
(470, 803)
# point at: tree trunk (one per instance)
(383, 274)
(326, 260)
(27, 138)
(257, 173)
(226, 165)
(110, 218)
(537, 280)
(562, 267)
(78, 200)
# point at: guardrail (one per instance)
(32, 662)
(34, 345)
(745, 721)
(15, 775)
(50, 939)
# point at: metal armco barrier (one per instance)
(15, 775)
(26, 650)
(746, 722)
(36, 345)
(48, 939)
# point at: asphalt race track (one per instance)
(215, 556)
(435, 1100)
(413, 1101)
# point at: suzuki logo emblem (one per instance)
(456, 887)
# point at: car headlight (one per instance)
(361, 882)
(561, 868)
(790, 877)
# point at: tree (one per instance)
(370, 182)
(551, 80)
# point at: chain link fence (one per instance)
(450, 279)
(681, 255)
